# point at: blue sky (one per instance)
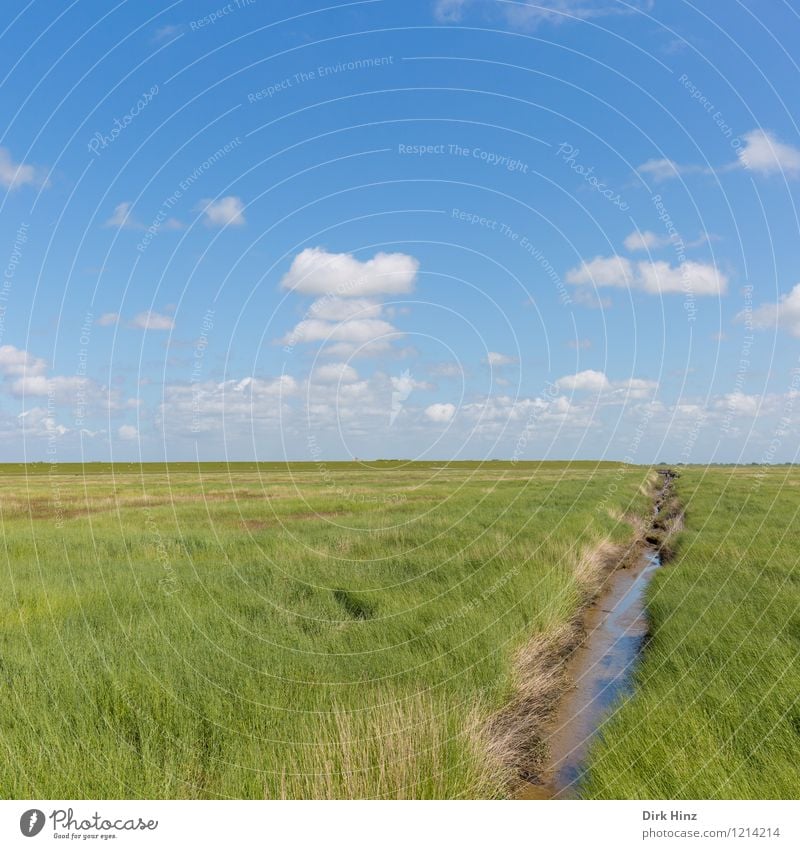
(400, 229)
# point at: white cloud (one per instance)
(603, 271)
(149, 320)
(128, 432)
(635, 388)
(645, 240)
(332, 308)
(335, 373)
(358, 331)
(440, 413)
(660, 169)
(14, 175)
(495, 359)
(201, 406)
(695, 278)
(107, 319)
(764, 154)
(584, 381)
(317, 272)
(122, 218)
(739, 404)
(16, 362)
(61, 389)
(37, 421)
(784, 314)
(227, 211)
(597, 381)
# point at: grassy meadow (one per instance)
(296, 631)
(716, 714)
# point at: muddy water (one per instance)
(602, 669)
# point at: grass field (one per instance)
(313, 631)
(717, 711)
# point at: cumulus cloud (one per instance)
(645, 240)
(690, 277)
(603, 271)
(784, 314)
(201, 406)
(314, 271)
(597, 381)
(763, 153)
(357, 332)
(14, 175)
(128, 432)
(495, 359)
(335, 373)
(224, 212)
(61, 389)
(16, 362)
(440, 413)
(333, 308)
(698, 278)
(635, 388)
(38, 421)
(149, 320)
(107, 319)
(584, 381)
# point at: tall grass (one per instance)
(716, 713)
(265, 632)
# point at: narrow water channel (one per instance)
(602, 669)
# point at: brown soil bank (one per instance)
(568, 680)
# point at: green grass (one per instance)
(716, 714)
(274, 630)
